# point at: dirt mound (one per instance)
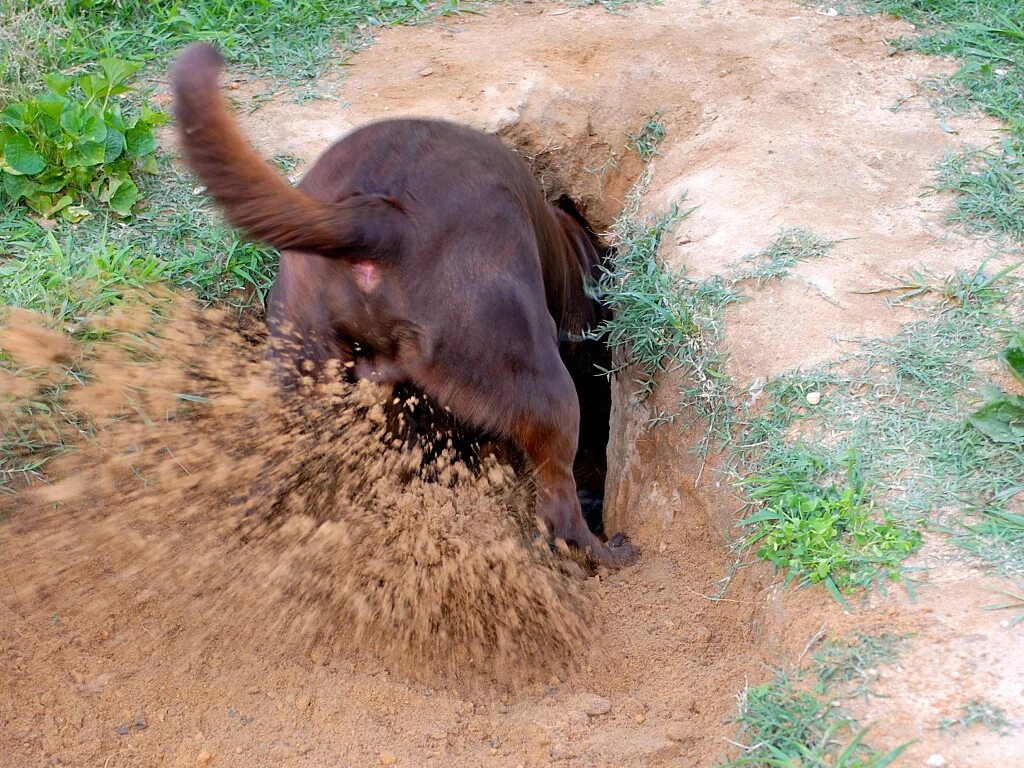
(351, 542)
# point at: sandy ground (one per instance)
(777, 115)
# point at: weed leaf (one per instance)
(1001, 420)
(22, 156)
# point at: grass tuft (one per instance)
(646, 141)
(987, 37)
(823, 532)
(982, 713)
(788, 722)
(989, 187)
(776, 260)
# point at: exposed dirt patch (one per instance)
(776, 115)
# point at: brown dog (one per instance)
(423, 251)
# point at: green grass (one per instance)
(175, 239)
(903, 405)
(777, 260)
(798, 719)
(1013, 602)
(290, 39)
(987, 39)
(975, 712)
(989, 185)
(646, 141)
(816, 530)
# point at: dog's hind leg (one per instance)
(546, 429)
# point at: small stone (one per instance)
(204, 758)
(121, 730)
(813, 398)
(232, 712)
(639, 719)
(302, 702)
(597, 706)
(140, 722)
(426, 72)
(387, 758)
(935, 761)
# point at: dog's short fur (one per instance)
(422, 251)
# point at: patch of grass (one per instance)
(646, 141)
(1014, 602)
(175, 238)
(989, 187)
(28, 39)
(903, 405)
(982, 713)
(285, 38)
(650, 304)
(788, 722)
(776, 260)
(33, 433)
(818, 531)
(663, 320)
(852, 667)
(71, 283)
(995, 537)
(987, 36)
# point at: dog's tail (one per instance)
(254, 197)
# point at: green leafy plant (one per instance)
(1013, 356)
(820, 533)
(77, 144)
(1001, 419)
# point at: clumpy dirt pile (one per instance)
(347, 541)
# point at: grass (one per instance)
(987, 39)
(975, 712)
(646, 141)
(903, 404)
(798, 719)
(777, 260)
(663, 320)
(290, 39)
(1014, 602)
(989, 185)
(818, 531)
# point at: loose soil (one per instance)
(146, 622)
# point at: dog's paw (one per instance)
(618, 552)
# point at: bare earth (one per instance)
(777, 115)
